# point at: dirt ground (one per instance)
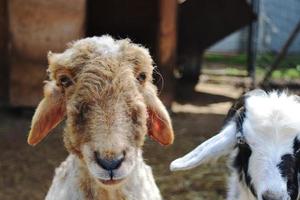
(26, 172)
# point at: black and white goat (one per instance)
(262, 136)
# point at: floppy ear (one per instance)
(221, 144)
(159, 122)
(49, 113)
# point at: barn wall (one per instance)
(35, 28)
(135, 19)
(42, 25)
(3, 53)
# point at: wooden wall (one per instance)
(3, 53)
(135, 19)
(36, 27)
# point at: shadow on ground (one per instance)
(188, 94)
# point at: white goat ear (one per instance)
(49, 113)
(159, 123)
(221, 144)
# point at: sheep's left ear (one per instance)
(159, 122)
(49, 113)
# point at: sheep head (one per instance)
(267, 160)
(103, 87)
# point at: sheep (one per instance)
(262, 137)
(103, 87)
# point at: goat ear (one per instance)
(221, 144)
(49, 113)
(159, 123)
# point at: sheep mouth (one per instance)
(111, 181)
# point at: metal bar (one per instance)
(282, 52)
(252, 43)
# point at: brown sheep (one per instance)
(103, 87)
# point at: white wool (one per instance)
(66, 183)
(276, 112)
(104, 45)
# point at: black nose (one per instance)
(109, 164)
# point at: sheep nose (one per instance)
(109, 163)
(268, 195)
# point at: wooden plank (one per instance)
(3, 52)
(167, 44)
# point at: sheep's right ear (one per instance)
(49, 113)
(159, 123)
(220, 144)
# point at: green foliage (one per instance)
(289, 67)
(239, 59)
(289, 61)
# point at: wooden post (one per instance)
(167, 43)
(3, 52)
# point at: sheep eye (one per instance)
(142, 77)
(65, 81)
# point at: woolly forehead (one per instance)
(273, 113)
(102, 52)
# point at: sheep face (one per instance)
(104, 88)
(266, 161)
